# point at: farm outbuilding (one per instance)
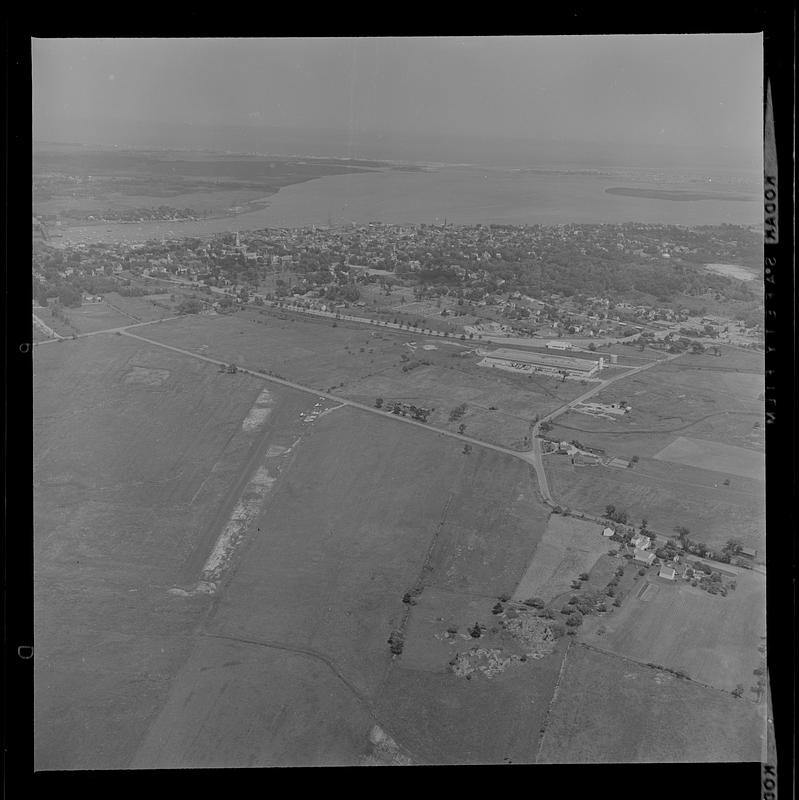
(643, 557)
(608, 532)
(528, 361)
(669, 573)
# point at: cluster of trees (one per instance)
(457, 412)
(190, 306)
(615, 514)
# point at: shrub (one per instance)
(396, 642)
(504, 597)
(498, 609)
(574, 620)
(534, 602)
(476, 631)
(642, 571)
(583, 576)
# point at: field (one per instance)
(135, 453)
(611, 710)
(142, 309)
(714, 456)
(666, 495)
(221, 563)
(363, 363)
(710, 638)
(697, 429)
(568, 547)
(324, 582)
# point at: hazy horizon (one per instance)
(660, 101)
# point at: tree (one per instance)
(498, 609)
(396, 642)
(379, 402)
(461, 428)
(738, 690)
(682, 532)
(534, 602)
(467, 448)
(610, 511)
(475, 631)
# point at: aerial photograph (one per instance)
(398, 401)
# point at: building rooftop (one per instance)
(544, 359)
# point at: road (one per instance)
(46, 328)
(531, 457)
(537, 453)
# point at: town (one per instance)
(579, 282)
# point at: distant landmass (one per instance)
(675, 194)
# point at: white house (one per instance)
(641, 542)
(644, 557)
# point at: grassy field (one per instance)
(666, 495)
(238, 704)
(363, 363)
(710, 638)
(142, 309)
(135, 451)
(611, 710)
(568, 547)
(715, 457)
(744, 429)
(367, 509)
(670, 400)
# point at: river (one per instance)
(460, 195)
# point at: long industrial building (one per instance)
(523, 361)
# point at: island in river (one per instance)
(675, 194)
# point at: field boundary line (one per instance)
(326, 660)
(543, 732)
(659, 668)
(661, 430)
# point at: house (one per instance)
(608, 532)
(641, 542)
(643, 557)
(748, 552)
(669, 573)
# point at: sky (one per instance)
(669, 90)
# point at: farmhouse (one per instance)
(668, 573)
(641, 542)
(524, 361)
(644, 557)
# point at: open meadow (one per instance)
(136, 451)
(363, 363)
(710, 638)
(568, 548)
(697, 434)
(667, 495)
(611, 710)
(367, 510)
